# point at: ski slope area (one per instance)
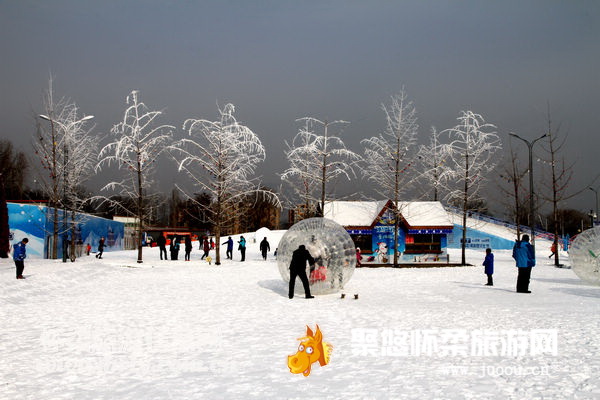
(497, 229)
(115, 329)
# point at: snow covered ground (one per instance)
(113, 329)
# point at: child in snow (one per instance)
(488, 263)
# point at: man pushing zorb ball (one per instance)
(331, 248)
(585, 256)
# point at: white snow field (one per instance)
(114, 329)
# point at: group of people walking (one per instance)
(206, 246)
(175, 247)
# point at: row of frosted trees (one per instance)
(220, 158)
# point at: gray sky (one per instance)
(281, 60)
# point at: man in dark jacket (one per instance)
(229, 252)
(298, 268)
(264, 248)
(19, 254)
(162, 245)
(100, 248)
(525, 259)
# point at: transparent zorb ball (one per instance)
(331, 247)
(584, 254)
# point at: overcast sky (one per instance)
(281, 60)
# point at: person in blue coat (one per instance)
(242, 248)
(525, 259)
(229, 252)
(19, 255)
(488, 263)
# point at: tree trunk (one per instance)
(4, 229)
(396, 199)
(140, 212)
(465, 208)
(324, 174)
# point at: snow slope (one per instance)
(490, 227)
(114, 329)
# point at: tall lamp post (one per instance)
(596, 193)
(66, 128)
(531, 208)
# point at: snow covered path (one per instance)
(112, 329)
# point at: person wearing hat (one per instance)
(525, 259)
(19, 254)
(298, 268)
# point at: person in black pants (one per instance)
(298, 268)
(19, 254)
(100, 248)
(242, 248)
(162, 245)
(188, 247)
(264, 248)
(525, 260)
(229, 252)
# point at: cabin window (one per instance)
(365, 242)
(423, 244)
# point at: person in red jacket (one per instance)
(206, 248)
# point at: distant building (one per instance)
(423, 228)
(130, 229)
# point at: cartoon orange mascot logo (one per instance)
(311, 349)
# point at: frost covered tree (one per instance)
(64, 157)
(317, 159)
(389, 156)
(433, 166)
(81, 147)
(138, 143)
(471, 155)
(47, 147)
(220, 158)
(301, 174)
(513, 174)
(558, 186)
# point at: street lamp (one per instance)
(531, 208)
(596, 193)
(66, 128)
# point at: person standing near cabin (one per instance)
(298, 269)
(525, 259)
(264, 248)
(188, 247)
(488, 263)
(229, 252)
(242, 248)
(100, 247)
(205, 247)
(19, 255)
(162, 245)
